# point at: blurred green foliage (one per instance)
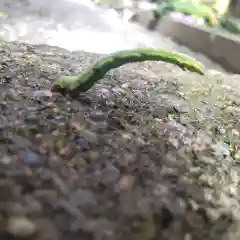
(187, 7)
(231, 25)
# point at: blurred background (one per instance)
(104, 26)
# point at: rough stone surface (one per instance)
(139, 156)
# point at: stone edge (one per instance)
(222, 48)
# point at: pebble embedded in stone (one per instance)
(97, 116)
(82, 143)
(42, 94)
(221, 149)
(31, 158)
(220, 130)
(176, 127)
(237, 156)
(126, 183)
(20, 227)
(12, 94)
(5, 160)
(89, 136)
(83, 198)
(184, 120)
(235, 132)
(109, 174)
(66, 151)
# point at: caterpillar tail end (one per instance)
(199, 69)
(202, 71)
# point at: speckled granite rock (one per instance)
(151, 152)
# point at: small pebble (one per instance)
(118, 90)
(82, 143)
(20, 227)
(174, 142)
(126, 160)
(109, 174)
(125, 85)
(144, 206)
(184, 120)
(97, 116)
(221, 149)
(220, 130)
(176, 127)
(93, 156)
(105, 93)
(180, 189)
(78, 162)
(188, 236)
(42, 94)
(12, 95)
(235, 111)
(86, 134)
(126, 183)
(235, 133)
(67, 152)
(5, 160)
(89, 136)
(31, 157)
(83, 198)
(38, 136)
(237, 156)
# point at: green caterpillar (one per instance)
(81, 83)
